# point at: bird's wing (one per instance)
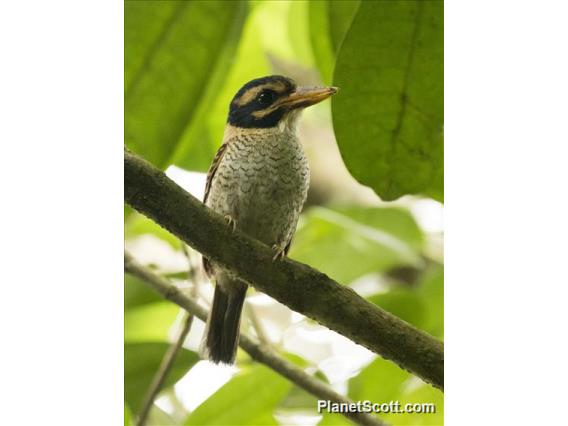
(210, 176)
(213, 169)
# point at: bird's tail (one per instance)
(222, 331)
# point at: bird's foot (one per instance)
(280, 252)
(231, 222)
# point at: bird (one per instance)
(258, 181)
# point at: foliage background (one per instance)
(373, 217)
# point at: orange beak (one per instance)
(303, 97)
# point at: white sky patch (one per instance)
(311, 342)
(165, 404)
(192, 182)
(369, 284)
(347, 360)
(148, 249)
(273, 317)
(202, 381)
(429, 214)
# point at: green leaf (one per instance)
(422, 304)
(382, 382)
(329, 22)
(176, 61)
(388, 118)
(423, 394)
(297, 360)
(144, 23)
(334, 419)
(149, 322)
(204, 135)
(341, 15)
(127, 416)
(139, 224)
(431, 289)
(347, 243)
(249, 398)
(405, 303)
(299, 32)
(298, 399)
(320, 39)
(141, 361)
(136, 293)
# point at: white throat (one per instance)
(289, 123)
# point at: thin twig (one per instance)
(162, 373)
(282, 366)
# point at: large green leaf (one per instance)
(141, 361)
(388, 118)
(177, 56)
(324, 53)
(348, 243)
(249, 398)
(205, 132)
(136, 293)
(329, 22)
(149, 322)
(144, 24)
(341, 14)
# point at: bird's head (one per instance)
(273, 101)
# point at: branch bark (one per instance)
(300, 287)
(256, 351)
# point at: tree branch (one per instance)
(163, 371)
(256, 351)
(300, 287)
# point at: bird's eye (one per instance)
(265, 98)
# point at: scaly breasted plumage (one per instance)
(259, 182)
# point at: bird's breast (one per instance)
(262, 183)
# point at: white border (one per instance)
(61, 309)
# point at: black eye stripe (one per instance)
(245, 103)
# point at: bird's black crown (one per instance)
(253, 105)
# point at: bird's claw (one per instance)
(280, 252)
(231, 222)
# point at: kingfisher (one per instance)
(258, 181)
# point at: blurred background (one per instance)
(184, 61)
